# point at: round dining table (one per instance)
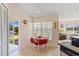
(39, 40)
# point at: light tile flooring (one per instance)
(30, 50)
(33, 51)
(13, 48)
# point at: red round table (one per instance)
(39, 40)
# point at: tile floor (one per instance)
(12, 48)
(33, 51)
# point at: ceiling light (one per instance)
(37, 11)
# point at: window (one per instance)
(71, 28)
(41, 29)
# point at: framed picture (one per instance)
(55, 25)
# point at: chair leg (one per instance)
(43, 46)
(46, 47)
(38, 47)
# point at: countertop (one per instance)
(69, 46)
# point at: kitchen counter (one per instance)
(69, 49)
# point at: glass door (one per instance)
(13, 40)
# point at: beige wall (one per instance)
(70, 22)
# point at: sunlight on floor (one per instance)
(12, 48)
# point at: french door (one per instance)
(3, 30)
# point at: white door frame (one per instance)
(0, 28)
(4, 30)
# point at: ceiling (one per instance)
(49, 9)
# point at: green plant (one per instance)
(16, 30)
(10, 27)
(62, 29)
(69, 28)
